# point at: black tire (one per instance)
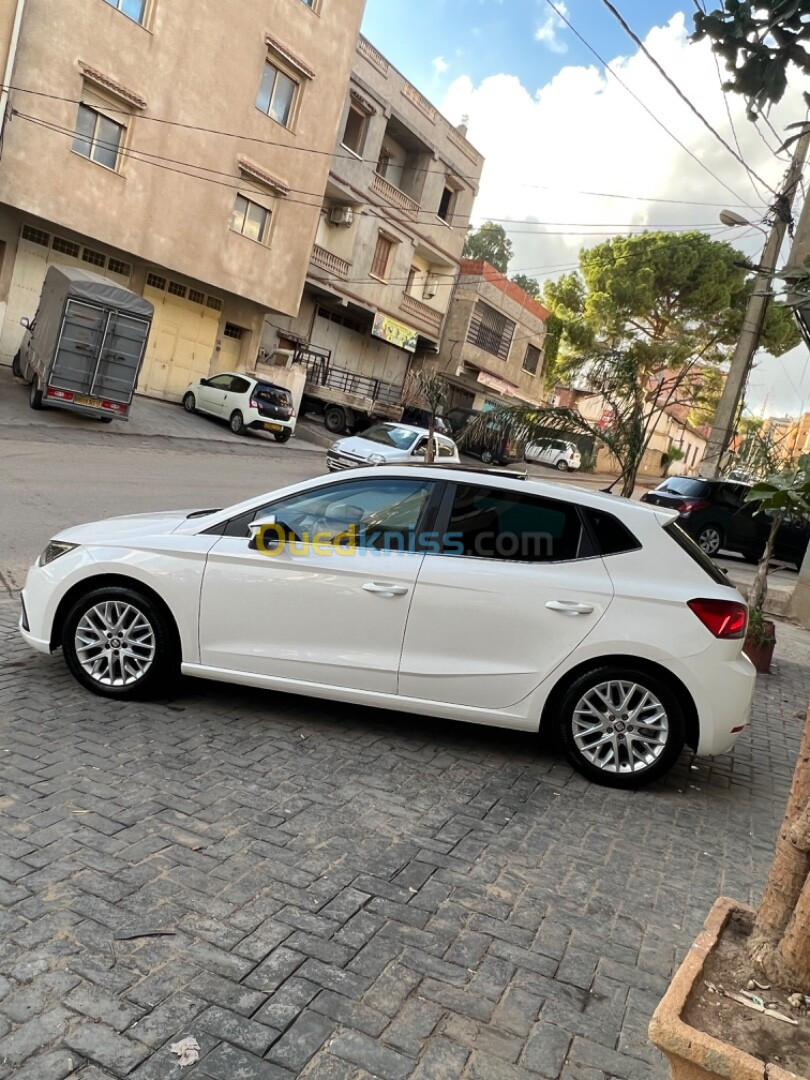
(16, 369)
(190, 402)
(486, 457)
(710, 538)
(282, 436)
(35, 395)
(162, 670)
(562, 465)
(750, 556)
(237, 423)
(335, 420)
(662, 757)
(104, 419)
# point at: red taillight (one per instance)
(114, 406)
(692, 504)
(253, 403)
(60, 395)
(723, 618)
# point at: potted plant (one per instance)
(785, 495)
(738, 1005)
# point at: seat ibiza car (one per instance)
(445, 591)
(384, 444)
(247, 404)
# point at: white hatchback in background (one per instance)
(558, 453)
(386, 444)
(245, 402)
(451, 592)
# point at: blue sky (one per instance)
(484, 37)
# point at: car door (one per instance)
(211, 394)
(326, 601)
(511, 595)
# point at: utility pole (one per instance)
(751, 331)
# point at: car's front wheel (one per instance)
(621, 727)
(189, 402)
(710, 538)
(119, 643)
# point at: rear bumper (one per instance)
(723, 692)
(277, 425)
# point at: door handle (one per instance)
(379, 589)
(569, 607)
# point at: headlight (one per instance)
(54, 550)
(376, 459)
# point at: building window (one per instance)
(250, 219)
(447, 204)
(233, 331)
(36, 236)
(65, 247)
(531, 360)
(384, 161)
(155, 281)
(354, 133)
(214, 303)
(382, 256)
(277, 94)
(133, 9)
(97, 137)
(116, 266)
(176, 289)
(196, 297)
(490, 331)
(95, 258)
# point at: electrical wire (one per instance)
(560, 14)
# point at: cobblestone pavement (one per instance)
(329, 892)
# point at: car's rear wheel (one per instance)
(486, 457)
(189, 402)
(119, 643)
(335, 419)
(562, 465)
(35, 394)
(237, 423)
(621, 727)
(282, 436)
(710, 538)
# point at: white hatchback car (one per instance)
(558, 453)
(451, 592)
(385, 444)
(245, 402)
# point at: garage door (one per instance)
(183, 338)
(36, 251)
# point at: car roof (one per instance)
(396, 424)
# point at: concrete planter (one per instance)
(692, 1054)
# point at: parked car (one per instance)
(385, 443)
(421, 418)
(715, 513)
(438, 591)
(557, 453)
(245, 402)
(458, 418)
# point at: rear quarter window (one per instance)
(611, 537)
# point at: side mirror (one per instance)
(24, 321)
(255, 528)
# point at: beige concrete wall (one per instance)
(198, 62)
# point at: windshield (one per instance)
(391, 435)
(683, 485)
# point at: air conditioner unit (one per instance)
(341, 216)
(431, 288)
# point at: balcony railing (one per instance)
(365, 48)
(391, 194)
(329, 262)
(421, 311)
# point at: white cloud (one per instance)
(440, 65)
(582, 132)
(547, 33)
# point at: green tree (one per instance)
(529, 285)
(428, 389)
(490, 243)
(758, 40)
(648, 321)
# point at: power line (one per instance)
(671, 82)
(644, 106)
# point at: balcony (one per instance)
(333, 264)
(392, 195)
(418, 310)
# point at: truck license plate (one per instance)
(273, 427)
(91, 402)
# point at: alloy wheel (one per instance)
(710, 539)
(620, 727)
(115, 643)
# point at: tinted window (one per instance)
(239, 386)
(731, 495)
(611, 536)
(273, 395)
(221, 382)
(685, 485)
(489, 523)
(685, 541)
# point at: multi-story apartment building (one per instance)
(180, 147)
(388, 247)
(493, 347)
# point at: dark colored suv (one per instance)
(715, 513)
(491, 447)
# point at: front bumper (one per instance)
(336, 462)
